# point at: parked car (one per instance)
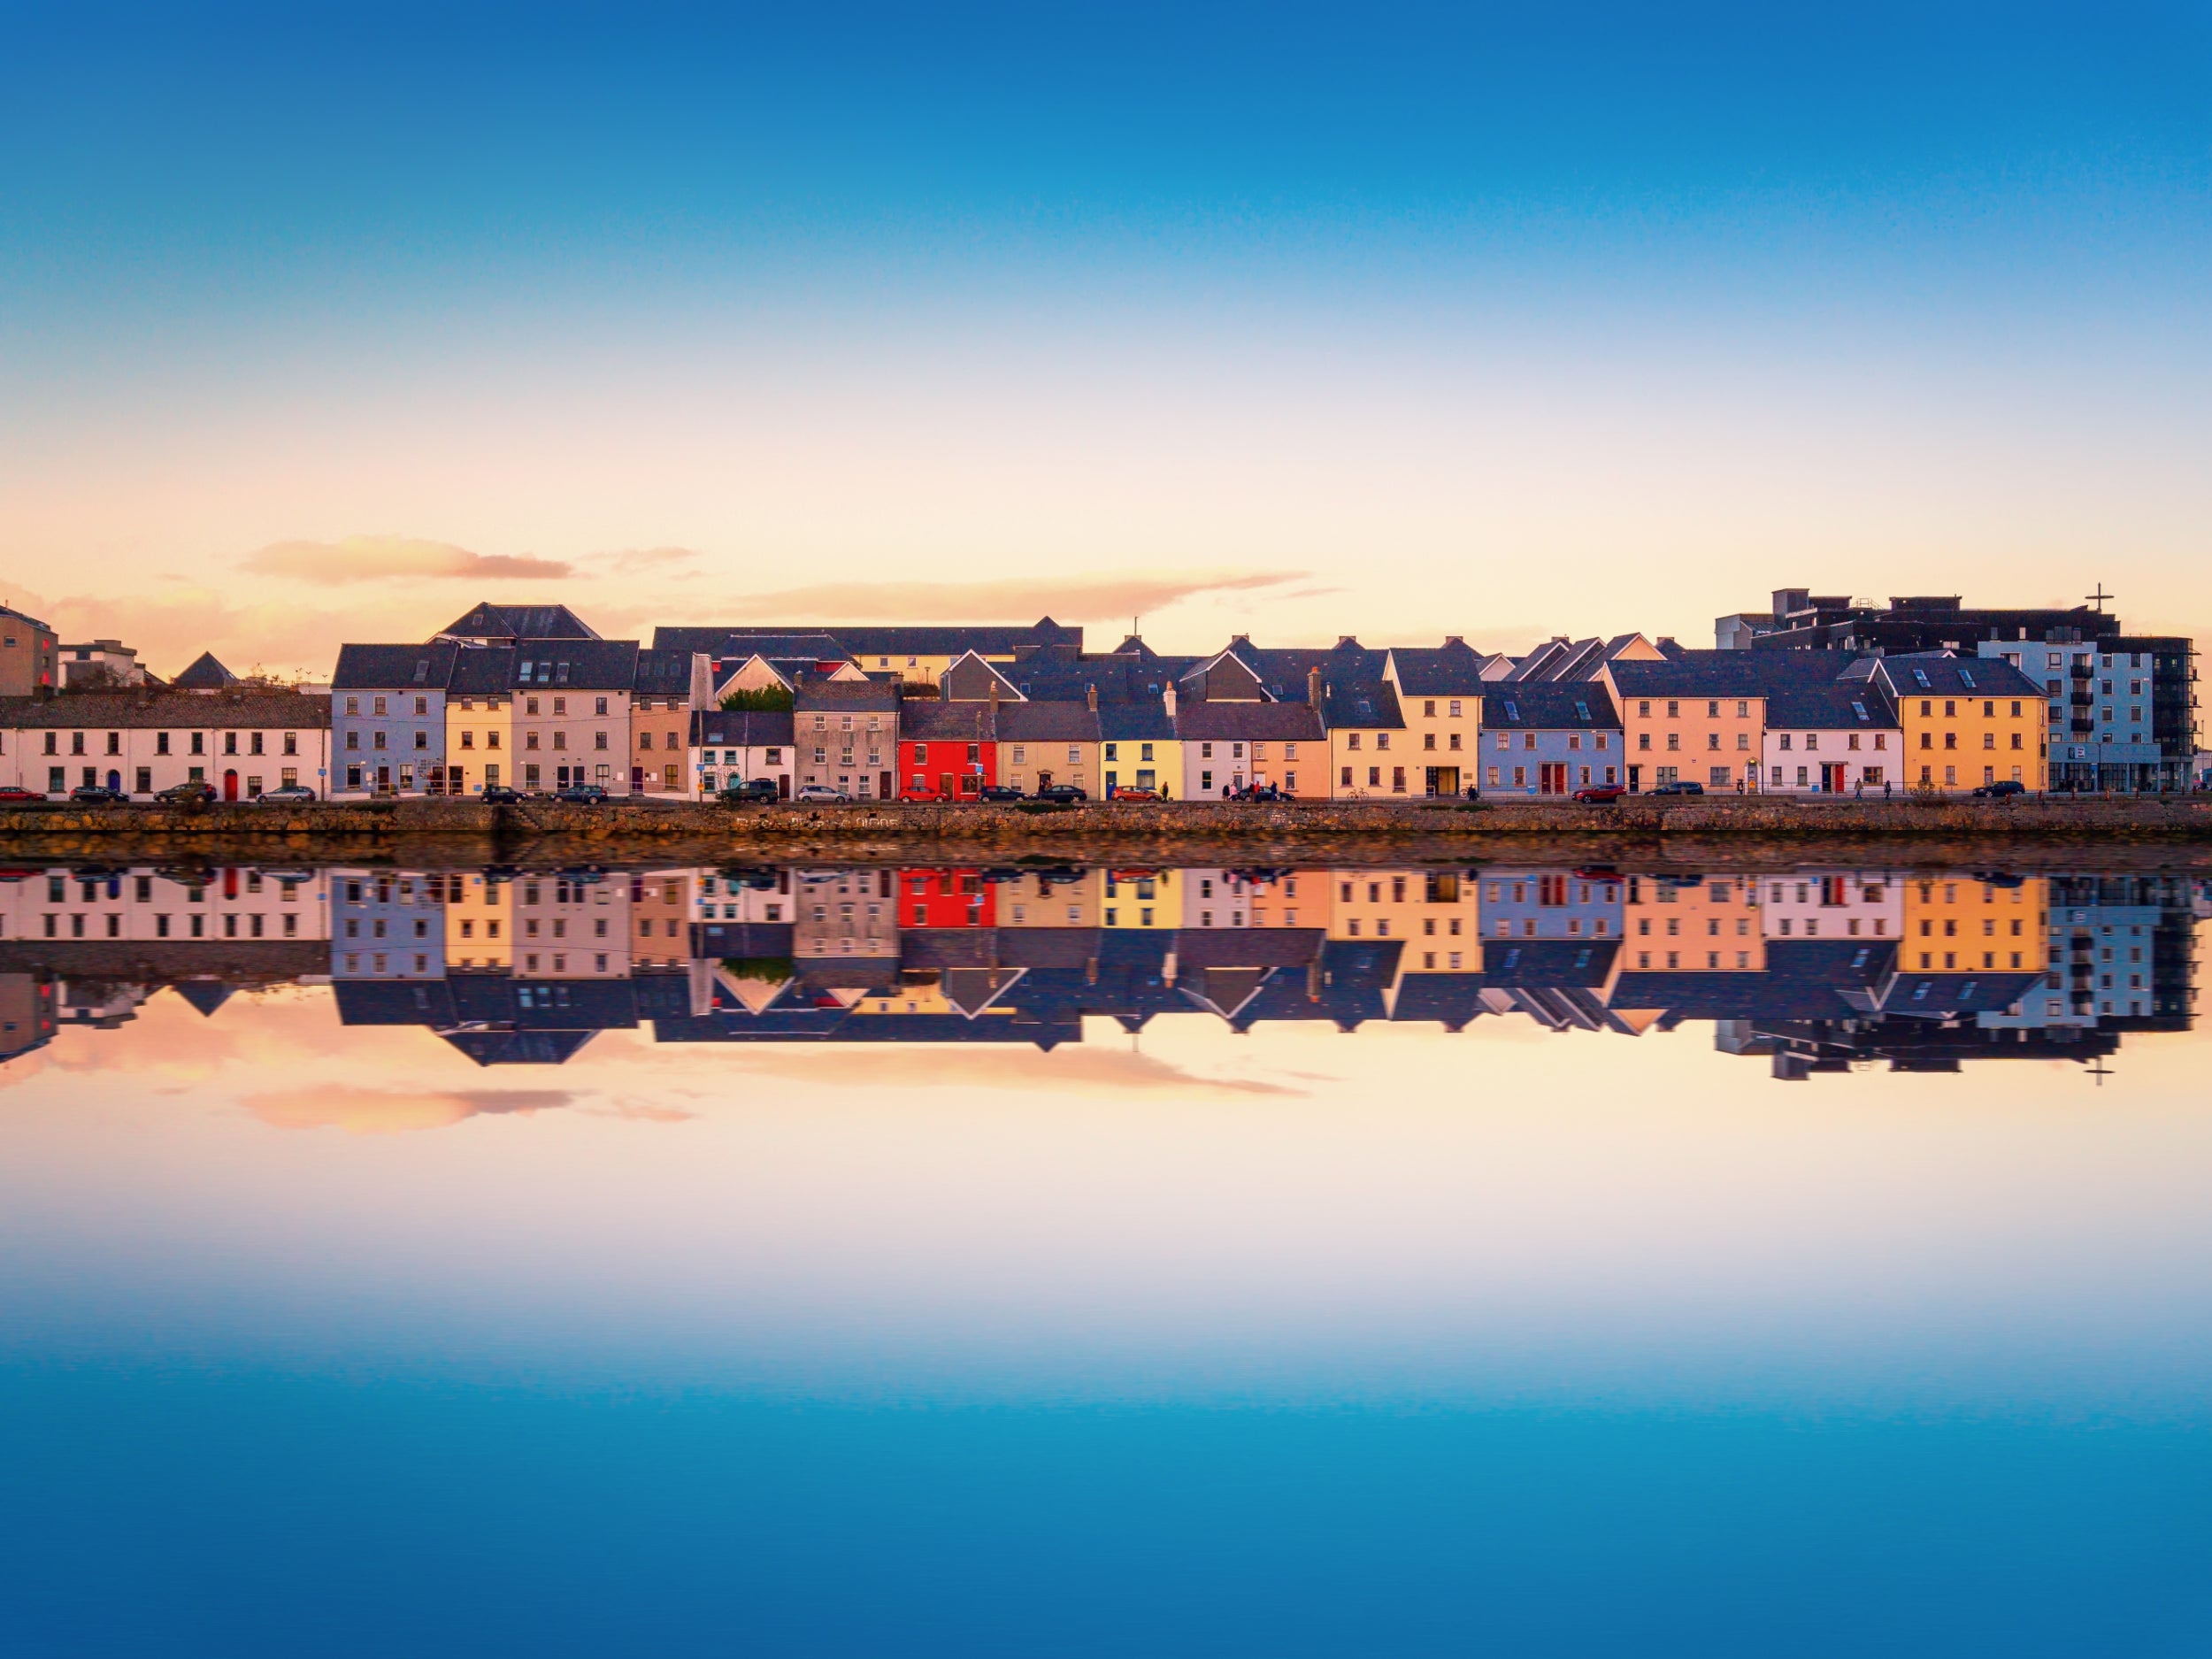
(1257, 792)
(1601, 793)
(1681, 787)
(581, 794)
(821, 794)
(97, 794)
(13, 797)
(1998, 791)
(998, 792)
(288, 795)
(752, 789)
(1066, 793)
(195, 792)
(1130, 792)
(499, 795)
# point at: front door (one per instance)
(637, 781)
(944, 786)
(883, 786)
(230, 786)
(1552, 778)
(1831, 776)
(1635, 778)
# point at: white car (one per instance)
(821, 793)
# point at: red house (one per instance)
(946, 898)
(947, 751)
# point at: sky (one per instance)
(322, 323)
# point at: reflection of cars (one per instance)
(1601, 792)
(289, 794)
(96, 795)
(197, 792)
(499, 795)
(750, 789)
(1129, 792)
(1064, 793)
(1999, 790)
(822, 794)
(1681, 787)
(13, 795)
(998, 792)
(581, 794)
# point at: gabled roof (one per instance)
(24, 617)
(1704, 674)
(927, 719)
(1453, 669)
(969, 664)
(1135, 722)
(395, 667)
(1550, 706)
(1856, 704)
(510, 623)
(1362, 702)
(663, 674)
(204, 674)
(593, 665)
(1948, 675)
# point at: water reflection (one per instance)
(1815, 969)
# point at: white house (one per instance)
(242, 740)
(1836, 738)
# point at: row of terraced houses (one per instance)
(1818, 696)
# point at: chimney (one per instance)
(994, 698)
(1313, 688)
(1092, 697)
(1167, 696)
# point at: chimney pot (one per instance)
(1313, 688)
(1091, 696)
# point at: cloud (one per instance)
(1068, 1071)
(644, 558)
(368, 558)
(1076, 599)
(384, 1112)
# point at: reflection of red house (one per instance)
(946, 898)
(945, 751)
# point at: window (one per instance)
(599, 705)
(1382, 740)
(1351, 741)
(1347, 780)
(1455, 708)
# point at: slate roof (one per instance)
(1061, 673)
(1451, 669)
(663, 674)
(520, 622)
(1854, 705)
(1135, 722)
(1359, 703)
(1549, 706)
(847, 695)
(593, 665)
(741, 728)
(395, 667)
(1254, 722)
(484, 671)
(204, 674)
(1047, 722)
(1950, 676)
(1707, 674)
(929, 719)
(139, 709)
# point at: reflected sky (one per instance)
(1677, 1237)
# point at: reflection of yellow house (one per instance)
(1958, 924)
(479, 923)
(1142, 899)
(1436, 913)
(1049, 900)
(1693, 925)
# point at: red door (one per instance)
(230, 786)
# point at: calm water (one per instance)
(1058, 1261)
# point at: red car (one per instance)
(15, 796)
(1129, 792)
(1601, 793)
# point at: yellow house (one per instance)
(1138, 747)
(1968, 722)
(1440, 699)
(1141, 900)
(479, 722)
(1051, 899)
(1963, 925)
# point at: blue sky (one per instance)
(1014, 280)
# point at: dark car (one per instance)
(1257, 792)
(1066, 793)
(581, 794)
(13, 797)
(1998, 791)
(499, 795)
(1601, 793)
(97, 794)
(1682, 787)
(750, 790)
(196, 793)
(287, 795)
(998, 792)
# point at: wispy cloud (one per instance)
(368, 558)
(627, 560)
(1072, 599)
(383, 1111)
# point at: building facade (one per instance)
(241, 742)
(1966, 722)
(846, 734)
(29, 653)
(387, 719)
(1549, 738)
